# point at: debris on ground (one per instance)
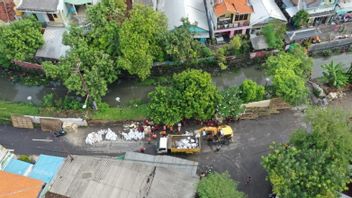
(70, 127)
(187, 143)
(336, 95)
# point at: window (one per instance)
(241, 17)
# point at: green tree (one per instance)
(217, 185)
(180, 46)
(334, 75)
(105, 19)
(296, 60)
(251, 91)
(274, 34)
(163, 107)
(235, 45)
(199, 94)
(314, 163)
(221, 58)
(290, 86)
(84, 70)
(20, 40)
(139, 39)
(230, 104)
(301, 18)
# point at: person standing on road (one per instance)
(179, 127)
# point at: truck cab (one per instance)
(162, 145)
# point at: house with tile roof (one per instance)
(232, 17)
(18, 186)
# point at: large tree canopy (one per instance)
(289, 71)
(19, 41)
(314, 163)
(192, 95)
(180, 46)
(199, 94)
(140, 36)
(85, 71)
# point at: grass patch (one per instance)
(121, 113)
(130, 112)
(9, 108)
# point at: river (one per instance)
(132, 90)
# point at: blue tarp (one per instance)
(17, 167)
(46, 168)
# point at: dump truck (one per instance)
(187, 143)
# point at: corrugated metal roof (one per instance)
(46, 167)
(53, 47)
(18, 167)
(17, 186)
(175, 10)
(186, 166)
(5, 157)
(265, 11)
(87, 176)
(39, 5)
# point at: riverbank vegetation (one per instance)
(19, 41)
(11, 108)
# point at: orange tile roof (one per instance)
(17, 186)
(233, 6)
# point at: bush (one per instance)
(326, 53)
(221, 58)
(334, 75)
(48, 100)
(251, 91)
(217, 185)
(25, 158)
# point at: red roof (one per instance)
(233, 7)
(18, 186)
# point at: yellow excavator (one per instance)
(222, 133)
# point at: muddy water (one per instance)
(131, 90)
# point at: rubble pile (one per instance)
(133, 134)
(187, 143)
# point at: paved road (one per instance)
(23, 142)
(241, 158)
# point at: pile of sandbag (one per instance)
(93, 138)
(187, 143)
(98, 136)
(133, 134)
(110, 135)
